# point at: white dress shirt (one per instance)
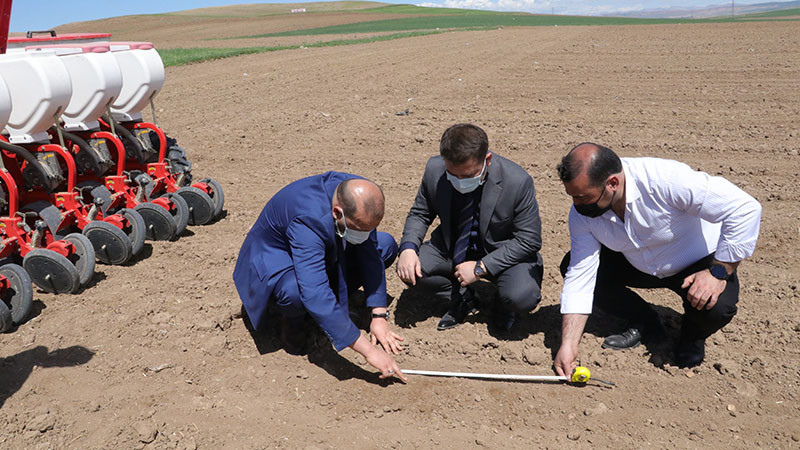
(674, 216)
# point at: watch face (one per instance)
(719, 272)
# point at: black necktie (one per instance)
(465, 216)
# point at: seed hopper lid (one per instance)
(70, 48)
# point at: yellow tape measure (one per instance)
(580, 375)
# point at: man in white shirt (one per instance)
(650, 223)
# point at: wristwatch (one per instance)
(479, 272)
(719, 272)
(381, 315)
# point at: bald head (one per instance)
(596, 161)
(362, 202)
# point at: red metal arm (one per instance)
(11, 190)
(5, 18)
(162, 138)
(66, 155)
(117, 143)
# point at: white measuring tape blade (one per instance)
(486, 376)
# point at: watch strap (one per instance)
(719, 272)
(381, 315)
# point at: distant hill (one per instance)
(721, 10)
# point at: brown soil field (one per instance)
(208, 27)
(168, 31)
(155, 354)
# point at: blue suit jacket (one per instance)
(296, 230)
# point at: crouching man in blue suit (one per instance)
(314, 243)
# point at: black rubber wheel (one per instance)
(111, 245)
(84, 257)
(18, 297)
(159, 223)
(51, 271)
(136, 230)
(201, 207)
(5, 318)
(181, 213)
(217, 194)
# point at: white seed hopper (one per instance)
(5, 104)
(96, 81)
(40, 89)
(142, 78)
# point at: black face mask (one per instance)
(592, 210)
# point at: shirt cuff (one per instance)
(344, 338)
(730, 252)
(376, 301)
(406, 245)
(578, 304)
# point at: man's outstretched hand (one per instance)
(381, 333)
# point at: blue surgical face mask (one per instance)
(354, 237)
(466, 185)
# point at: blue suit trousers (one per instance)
(286, 296)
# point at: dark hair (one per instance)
(373, 205)
(463, 142)
(602, 163)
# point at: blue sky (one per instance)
(44, 14)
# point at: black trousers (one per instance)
(518, 287)
(611, 294)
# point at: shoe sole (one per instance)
(441, 328)
(603, 345)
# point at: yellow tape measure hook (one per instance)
(582, 375)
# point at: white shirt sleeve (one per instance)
(578, 292)
(716, 200)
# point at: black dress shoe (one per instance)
(690, 353)
(456, 314)
(293, 335)
(630, 338)
(502, 318)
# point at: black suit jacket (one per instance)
(509, 224)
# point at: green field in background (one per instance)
(181, 56)
(780, 13)
(431, 21)
(423, 10)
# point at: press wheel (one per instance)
(5, 318)
(84, 257)
(136, 229)
(18, 297)
(181, 213)
(217, 194)
(111, 244)
(159, 223)
(51, 271)
(201, 207)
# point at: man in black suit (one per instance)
(490, 229)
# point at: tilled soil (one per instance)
(190, 31)
(155, 354)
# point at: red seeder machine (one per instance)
(83, 175)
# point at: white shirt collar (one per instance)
(631, 188)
